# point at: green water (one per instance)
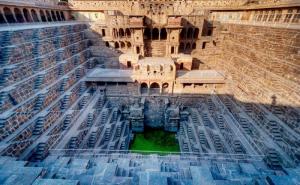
(154, 141)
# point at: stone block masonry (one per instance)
(41, 72)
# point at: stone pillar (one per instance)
(23, 16)
(14, 15)
(1, 10)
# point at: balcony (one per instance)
(136, 21)
(174, 21)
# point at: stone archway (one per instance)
(154, 88)
(19, 15)
(9, 15)
(155, 34)
(34, 16)
(53, 16)
(122, 44)
(117, 45)
(163, 34)
(121, 32)
(48, 16)
(62, 16)
(127, 32)
(144, 88)
(43, 16)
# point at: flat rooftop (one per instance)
(109, 75)
(200, 76)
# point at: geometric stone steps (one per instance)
(139, 170)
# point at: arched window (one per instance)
(122, 45)
(144, 88)
(121, 32)
(138, 50)
(58, 16)
(43, 16)
(107, 44)
(147, 34)
(117, 45)
(34, 16)
(27, 15)
(53, 16)
(154, 88)
(182, 34)
(19, 15)
(2, 20)
(190, 33)
(9, 15)
(127, 32)
(154, 85)
(155, 34)
(163, 34)
(62, 15)
(128, 45)
(196, 33)
(49, 16)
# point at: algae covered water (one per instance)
(155, 141)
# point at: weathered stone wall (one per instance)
(269, 57)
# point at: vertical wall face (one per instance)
(263, 61)
(41, 71)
